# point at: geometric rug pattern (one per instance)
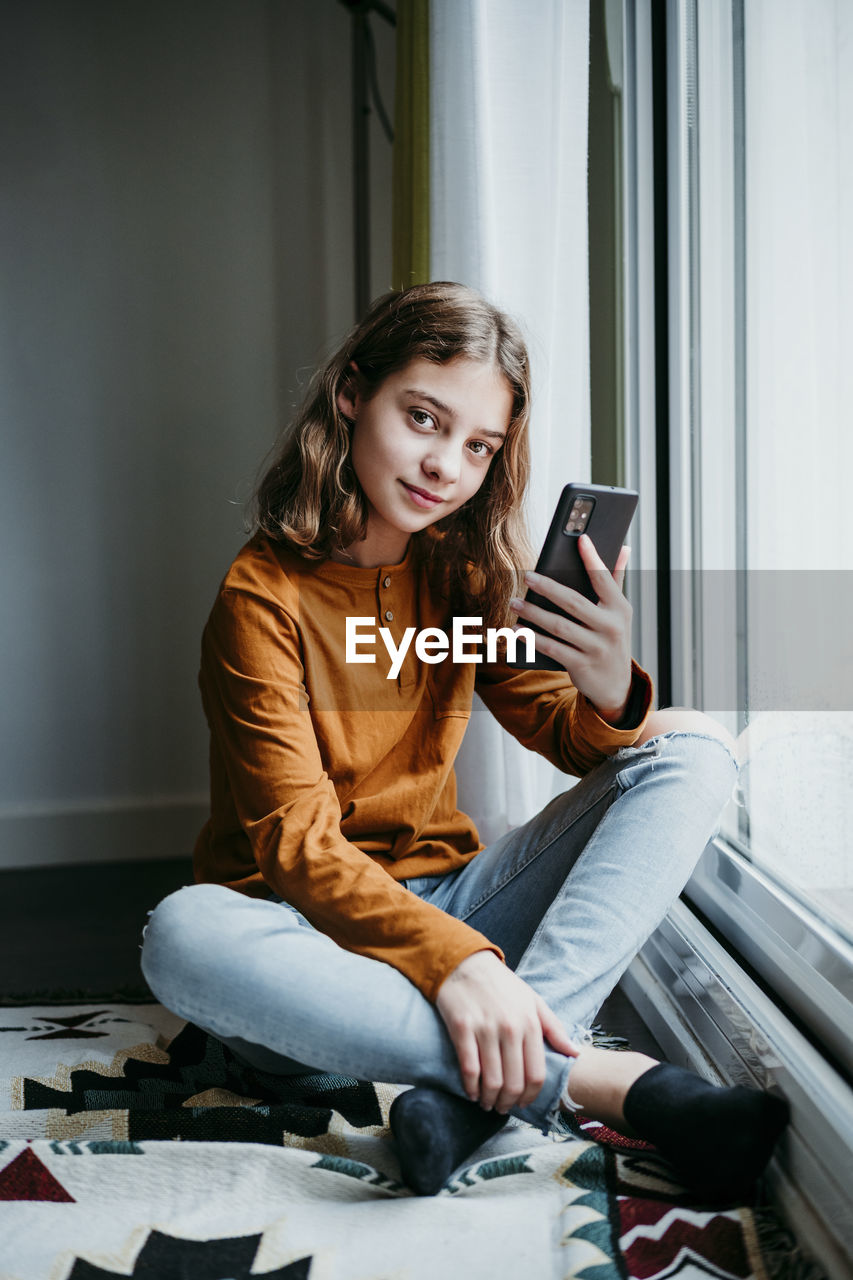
(134, 1144)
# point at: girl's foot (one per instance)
(717, 1139)
(436, 1131)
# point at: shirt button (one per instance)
(389, 617)
(386, 582)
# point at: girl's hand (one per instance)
(497, 1023)
(596, 648)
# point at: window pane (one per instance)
(790, 456)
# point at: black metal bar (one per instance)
(741, 474)
(385, 11)
(372, 6)
(662, 496)
(361, 161)
(364, 83)
(373, 81)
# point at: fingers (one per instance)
(566, 597)
(583, 611)
(593, 563)
(593, 644)
(554, 1031)
(507, 1069)
(496, 1023)
(510, 1073)
(491, 1066)
(534, 1068)
(494, 1066)
(468, 1053)
(523, 1059)
(607, 586)
(592, 627)
(499, 1068)
(620, 567)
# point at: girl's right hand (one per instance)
(497, 1024)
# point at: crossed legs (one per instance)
(249, 971)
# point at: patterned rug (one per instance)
(133, 1144)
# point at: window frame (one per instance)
(692, 986)
(792, 949)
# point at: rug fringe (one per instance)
(783, 1258)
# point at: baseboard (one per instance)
(120, 831)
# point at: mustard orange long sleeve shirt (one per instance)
(331, 783)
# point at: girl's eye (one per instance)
(421, 418)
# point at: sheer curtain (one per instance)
(508, 215)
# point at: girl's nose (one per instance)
(442, 464)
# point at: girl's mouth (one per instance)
(420, 496)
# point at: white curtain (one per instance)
(508, 216)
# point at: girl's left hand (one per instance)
(595, 649)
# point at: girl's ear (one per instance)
(349, 397)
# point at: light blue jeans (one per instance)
(570, 897)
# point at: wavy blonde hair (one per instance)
(310, 498)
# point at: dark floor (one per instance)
(78, 929)
(73, 933)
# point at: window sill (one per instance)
(805, 963)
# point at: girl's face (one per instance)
(421, 447)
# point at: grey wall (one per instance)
(175, 255)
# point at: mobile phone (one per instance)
(602, 511)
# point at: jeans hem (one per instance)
(625, 752)
(581, 1037)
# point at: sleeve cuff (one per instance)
(433, 979)
(629, 727)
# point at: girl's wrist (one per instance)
(613, 713)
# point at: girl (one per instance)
(371, 933)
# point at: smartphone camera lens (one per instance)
(579, 515)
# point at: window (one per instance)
(735, 323)
(760, 452)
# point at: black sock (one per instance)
(435, 1131)
(718, 1139)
